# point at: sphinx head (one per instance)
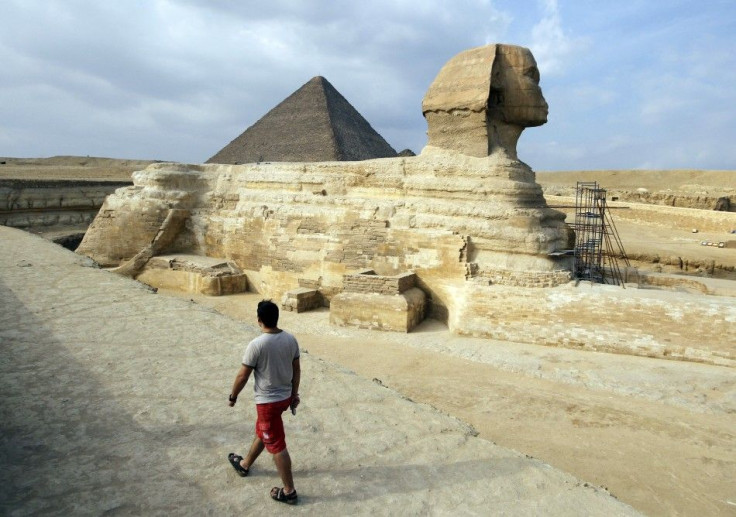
(482, 100)
(515, 96)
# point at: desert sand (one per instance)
(114, 402)
(658, 434)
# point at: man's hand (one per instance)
(294, 403)
(241, 379)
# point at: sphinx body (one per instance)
(464, 213)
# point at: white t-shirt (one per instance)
(271, 357)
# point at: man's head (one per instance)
(268, 313)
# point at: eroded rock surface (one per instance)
(482, 100)
(450, 218)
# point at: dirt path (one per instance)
(661, 460)
(660, 435)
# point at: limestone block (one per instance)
(301, 299)
(397, 312)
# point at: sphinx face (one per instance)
(516, 97)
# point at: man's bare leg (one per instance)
(283, 465)
(256, 448)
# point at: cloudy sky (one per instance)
(630, 84)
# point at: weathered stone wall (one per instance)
(527, 278)
(446, 217)
(700, 201)
(287, 224)
(38, 204)
(668, 217)
(391, 312)
(649, 322)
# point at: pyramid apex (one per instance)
(319, 80)
(315, 123)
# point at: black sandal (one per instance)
(235, 460)
(277, 494)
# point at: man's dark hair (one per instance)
(268, 313)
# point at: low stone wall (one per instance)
(379, 302)
(700, 201)
(369, 282)
(527, 279)
(399, 313)
(649, 322)
(657, 215)
(697, 201)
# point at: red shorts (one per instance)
(270, 427)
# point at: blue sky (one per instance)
(630, 84)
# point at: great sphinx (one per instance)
(465, 216)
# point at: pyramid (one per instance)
(314, 124)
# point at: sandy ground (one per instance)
(114, 403)
(660, 435)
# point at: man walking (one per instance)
(273, 358)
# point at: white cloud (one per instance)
(552, 47)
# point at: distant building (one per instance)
(314, 124)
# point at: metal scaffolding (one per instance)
(598, 246)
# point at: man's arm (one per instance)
(241, 379)
(295, 379)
